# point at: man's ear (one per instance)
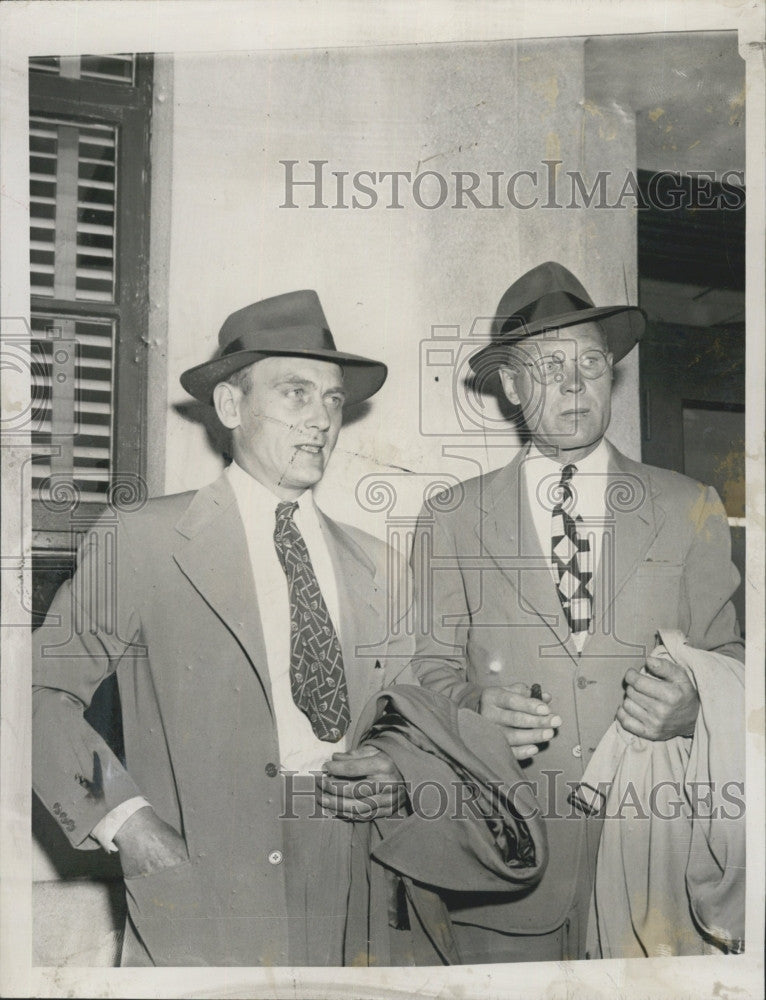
(508, 377)
(226, 399)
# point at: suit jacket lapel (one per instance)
(213, 554)
(361, 625)
(634, 513)
(507, 535)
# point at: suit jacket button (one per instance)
(272, 770)
(577, 751)
(582, 683)
(275, 857)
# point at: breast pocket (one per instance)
(657, 598)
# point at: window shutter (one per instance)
(73, 197)
(118, 69)
(89, 240)
(73, 194)
(73, 411)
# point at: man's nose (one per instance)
(571, 377)
(319, 415)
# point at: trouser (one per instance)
(317, 877)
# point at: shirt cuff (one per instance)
(104, 831)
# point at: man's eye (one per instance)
(336, 401)
(590, 360)
(296, 393)
(549, 365)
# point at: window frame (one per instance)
(129, 109)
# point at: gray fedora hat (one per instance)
(292, 324)
(547, 298)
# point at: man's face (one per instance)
(285, 425)
(562, 380)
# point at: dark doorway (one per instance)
(691, 262)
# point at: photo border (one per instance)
(72, 27)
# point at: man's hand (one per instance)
(526, 721)
(363, 784)
(660, 704)
(148, 844)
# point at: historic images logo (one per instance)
(314, 184)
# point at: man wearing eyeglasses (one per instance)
(546, 583)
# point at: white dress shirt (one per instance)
(299, 748)
(588, 485)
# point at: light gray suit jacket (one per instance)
(165, 597)
(489, 615)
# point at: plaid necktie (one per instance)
(317, 679)
(570, 551)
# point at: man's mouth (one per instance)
(311, 449)
(574, 413)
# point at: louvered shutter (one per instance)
(118, 69)
(89, 246)
(73, 196)
(73, 190)
(73, 414)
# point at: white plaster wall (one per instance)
(385, 276)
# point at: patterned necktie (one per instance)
(570, 551)
(317, 679)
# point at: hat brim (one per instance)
(362, 377)
(623, 326)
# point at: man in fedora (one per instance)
(546, 584)
(236, 619)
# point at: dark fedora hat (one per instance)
(547, 298)
(292, 325)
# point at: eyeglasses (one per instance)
(549, 369)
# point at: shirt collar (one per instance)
(596, 463)
(253, 496)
